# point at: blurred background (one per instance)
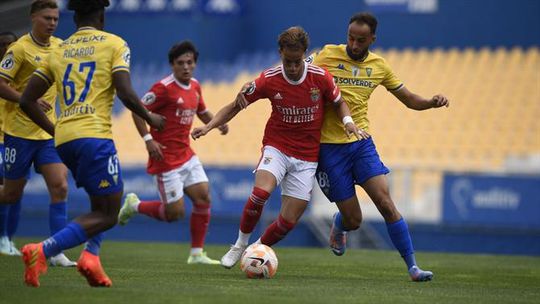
(466, 178)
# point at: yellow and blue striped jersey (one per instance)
(82, 67)
(22, 58)
(356, 80)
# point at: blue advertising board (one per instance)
(486, 200)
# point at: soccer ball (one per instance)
(259, 262)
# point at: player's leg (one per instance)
(377, 189)
(336, 179)
(18, 155)
(269, 173)
(291, 210)
(55, 175)
(296, 189)
(9, 216)
(199, 221)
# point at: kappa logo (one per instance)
(104, 184)
(278, 96)
(341, 66)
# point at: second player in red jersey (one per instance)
(297, 91)
(173, 163)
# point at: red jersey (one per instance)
(178, 103)
(294, 126)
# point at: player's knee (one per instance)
(11, 196)
(59, 191)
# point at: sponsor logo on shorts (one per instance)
(173, 194)
(267, 160)
(104, 184)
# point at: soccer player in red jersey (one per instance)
(175, 166)
(298, 92)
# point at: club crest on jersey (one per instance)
(315, 94)
(250, 89)
(368, 71)
(7, 63)
(148, 98)
(267, 160)
(355, 71)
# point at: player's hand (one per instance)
(241, 100)
(439, 101)
(352, 129)
(156, 121)
(44, 105)
(199, 132)
(224, 129)
(155, 149)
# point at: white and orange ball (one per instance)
(259, 262)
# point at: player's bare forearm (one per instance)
(206, 117)
(342, 108)
(419, 103)
(140, 124)
(29, 103)
(224, 115)
(129, 98)
(8, 93)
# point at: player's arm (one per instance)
(10, 94)
(222, 117)
(207, 116)
(153, 147)
(124, 91)
(35, 88)
(419, 103)
(344, 113)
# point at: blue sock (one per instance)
(399, 234)
(94, 244)
(57, 217)
(4, 209)
(13, 218)
(338, 222)
(72, 235)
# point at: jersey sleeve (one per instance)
(391, 82)
(331, 91)
(201, 107)
(256, 89)
(12, 62)
(155, 98)
(44, 71)
(121, 57)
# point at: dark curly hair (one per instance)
(87, 6)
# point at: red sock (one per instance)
(276, 231)
(200, 217)
(155, 209)
(253, 209)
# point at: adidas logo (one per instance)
(278, 96)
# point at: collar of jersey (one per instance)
(37, 42)
(87, 28)
(299, 81)
(183, 86)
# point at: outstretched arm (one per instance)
(207, 116)
(223, 116)
(416, 102)
(29, 103)
(124, 91)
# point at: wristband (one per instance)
(147, 137)
(347, 119)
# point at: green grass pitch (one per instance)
(158, 273)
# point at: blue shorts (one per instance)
(1, 160)
(94, 165)
(342, 166)
(20, 153)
